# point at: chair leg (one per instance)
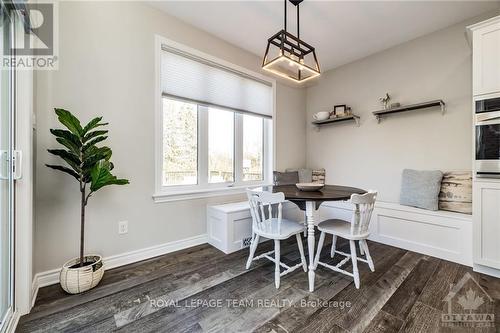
(368, 256)
(301, 250)
(277, 263)
(253, 247)
(354, 258)
(318, 251)
(334, 241)
(361, 250)
(305, 225)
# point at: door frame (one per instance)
(22, 136)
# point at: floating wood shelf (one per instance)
(382, 113)
(353, 117)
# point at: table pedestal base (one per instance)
(310, 207)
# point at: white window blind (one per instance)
(201, 81)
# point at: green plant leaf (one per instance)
(93, 142)
(93, 134)
(98, 154)
(70, 145)
(70, 121)
(93, 124)
(70, 158)
(67, 139)
(60, 133)
(94, 154)
(64, 169)
(101, 176)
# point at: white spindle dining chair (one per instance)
(356, 230)
(267, 221)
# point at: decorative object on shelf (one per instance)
(90, 165)
(323, 115)
(288, 56)
(348, 111)
(309, 187)
(425, 105)
(395, 105)
(340, 110)
(385, 101)
(336, 119)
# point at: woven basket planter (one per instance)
(75, 279)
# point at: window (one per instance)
(220, 146)
(180, 143)
(253, 148)
(200, 145)
(214, 125)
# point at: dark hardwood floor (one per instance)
(203, 290)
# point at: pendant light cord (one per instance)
(285, 14)
(298, 22)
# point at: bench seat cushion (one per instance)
(421, 188)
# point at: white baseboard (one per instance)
(486, 270)
(34, 291)
(12, 325)
(50, 277)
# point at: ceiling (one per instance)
(341, 31)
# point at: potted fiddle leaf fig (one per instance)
(90, 165)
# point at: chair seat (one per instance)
(270, 228)
(340, 228)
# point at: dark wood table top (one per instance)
(327, 193)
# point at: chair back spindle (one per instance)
(259, 201)
(363, 208)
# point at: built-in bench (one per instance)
(229, 226)
(441, 234)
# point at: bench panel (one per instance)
(439, 234)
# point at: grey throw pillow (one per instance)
(420, 188)
(285, 178)
(305, 175)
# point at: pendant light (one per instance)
(290, 57)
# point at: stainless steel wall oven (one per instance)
(487, 143)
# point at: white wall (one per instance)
(291, 138)
(107, 68)
(436, 66)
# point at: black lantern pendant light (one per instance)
(288, 56)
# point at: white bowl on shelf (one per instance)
(309, 187)
(320, 116)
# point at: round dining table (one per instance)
(309, 202)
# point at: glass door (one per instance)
(6, 176)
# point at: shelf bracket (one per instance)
(357, 120)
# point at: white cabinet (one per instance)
(486, 56)
(486, 207)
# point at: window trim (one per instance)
(186, 192)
